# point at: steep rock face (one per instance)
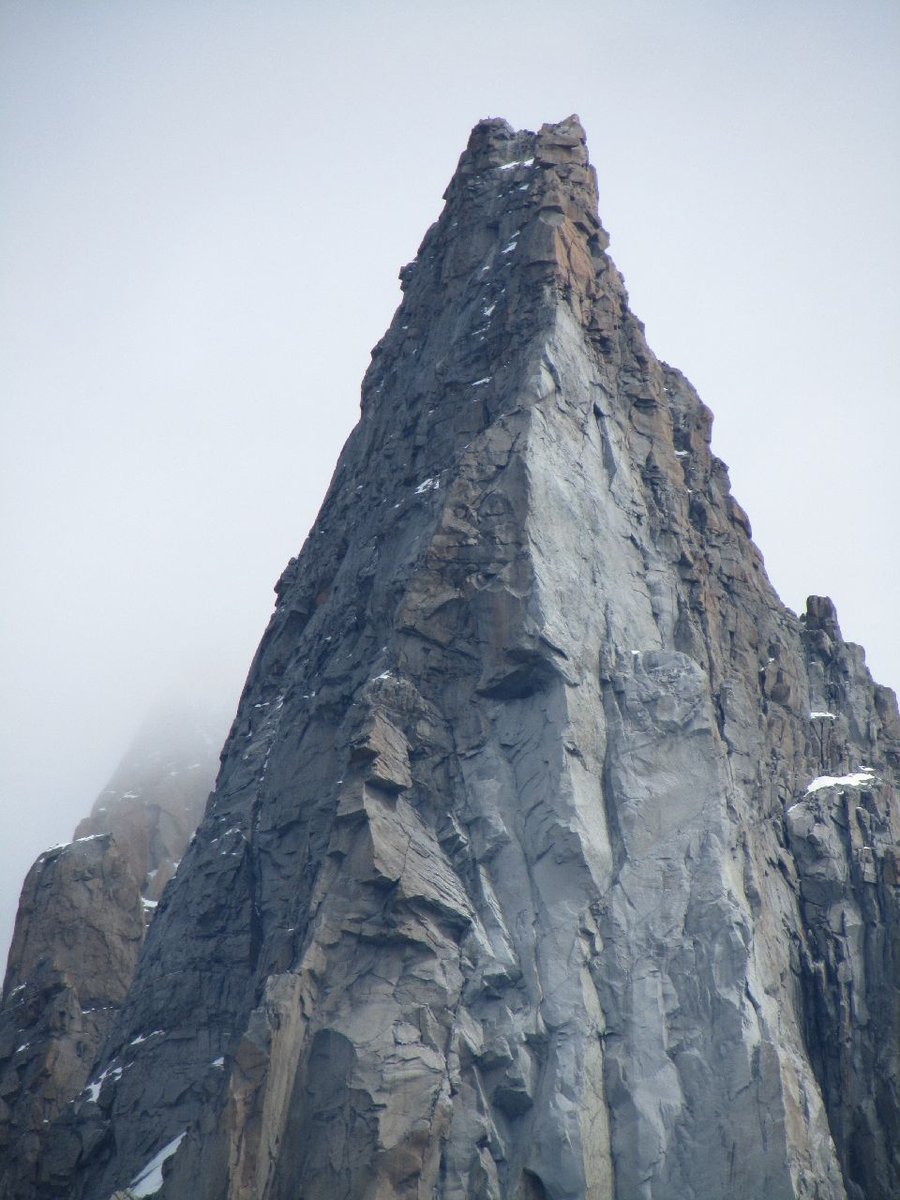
(79, 928)
(844, 838)
(512, 885)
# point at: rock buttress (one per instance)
(79, 928)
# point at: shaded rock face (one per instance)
(513, 885)
(79, 928)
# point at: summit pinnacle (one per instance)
(514, 885)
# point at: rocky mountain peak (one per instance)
(80, 925)
(551, 856)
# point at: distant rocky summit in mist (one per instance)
(551, 857)
(80, 925)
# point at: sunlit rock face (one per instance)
(79, 927)
(512, 886)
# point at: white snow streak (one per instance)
(148, 1181)
(857, 779)
(93, 1089)
(145, 1037)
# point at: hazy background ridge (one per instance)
(205, 209)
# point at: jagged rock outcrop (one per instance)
(844, 838)
(521, 878)
(79, 928)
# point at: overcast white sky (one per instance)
(205, 207)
